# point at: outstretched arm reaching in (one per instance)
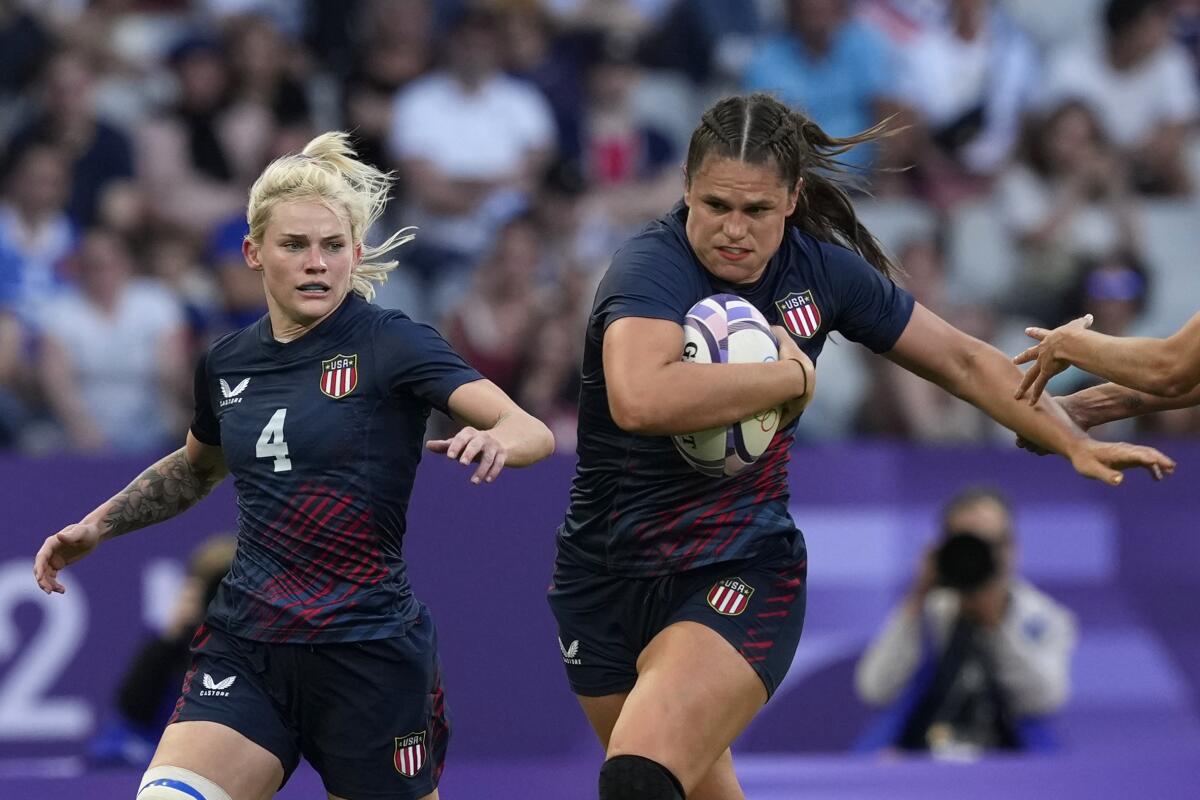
(984, 377)
(1162, 367)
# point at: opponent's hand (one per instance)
(471, 444)
(1076, 410)
(1046, 356)
(65, 547)
(1104, 460)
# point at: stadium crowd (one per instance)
(1042, 165)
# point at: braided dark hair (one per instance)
(756, 129)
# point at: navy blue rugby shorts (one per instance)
(605, 621)
(369, 716)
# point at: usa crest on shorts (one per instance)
(730, 596)
(410, 753)
(800, 313)
(339, 375)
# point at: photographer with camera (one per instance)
(974, 654)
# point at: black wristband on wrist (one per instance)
(803, 372)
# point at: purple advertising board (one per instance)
(1125, 559)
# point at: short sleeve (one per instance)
(872, 310)
(205, 426)
(646, 279)
(413, 358)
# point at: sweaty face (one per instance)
(736, 216)
(306, 258)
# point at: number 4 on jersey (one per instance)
(271, 443)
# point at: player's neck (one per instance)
(285, 328)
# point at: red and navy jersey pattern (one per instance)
(323, 478)
(637, 508)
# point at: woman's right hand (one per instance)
(60, 549)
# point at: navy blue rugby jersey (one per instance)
(637, 508)
(322, 436)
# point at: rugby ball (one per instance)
(726, 329)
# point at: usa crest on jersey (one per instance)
(339, 375)
(730, 596)
(410, 753)
(800, 313)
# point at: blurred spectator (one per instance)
(1068, 195)
(535, 51)
(286, 16)
(919, 410)
(1056, 23)
(618, 17)
(974, 653)
(1142, 87)
(632, 167)
(901, 21)
(100, 154)
(1187, 30)
(397, 41)
(550, 379)
(150, 685)
(969, 78)
(12, 411)
(834, 67)
(1114, 289)
(491, 326)
(243, 299)
(197, 159)
(575, 231)
(470, 142)
(268, 75)
(122, 40)
(112, 354)
(173, 259)
(706, 40)
(334, 34)
(24, 42)
(35, 232)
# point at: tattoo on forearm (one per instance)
(1132, 402)
(168, 488)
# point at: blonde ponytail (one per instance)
(328, 172)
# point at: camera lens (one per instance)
(965, 561)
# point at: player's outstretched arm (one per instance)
(498, 432)
(169, 487)
(1163, 367)
(1109, 402)
(652, 392)
(986, 378)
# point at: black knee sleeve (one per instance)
(637, 778)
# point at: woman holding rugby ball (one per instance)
(680, 597)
